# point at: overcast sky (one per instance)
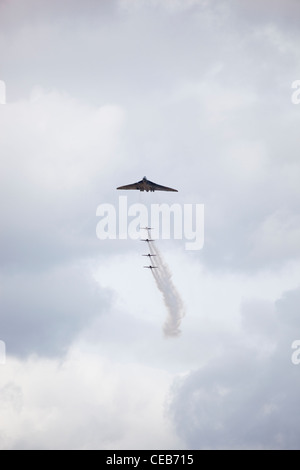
(197, 95)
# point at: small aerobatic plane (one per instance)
(146, 185)
(147, 240)
(151, 267)
(149, 255)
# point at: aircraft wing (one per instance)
(158, 187)
(131, 186)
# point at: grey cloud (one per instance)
(288, 308)
(43, 312)
(246, 398)
(277, 11)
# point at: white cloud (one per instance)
(59, 142)
(218, 101)
(86, 401)
(55, 152)
(277, 238)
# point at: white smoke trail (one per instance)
(172, 299)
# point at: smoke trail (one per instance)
(172, 300)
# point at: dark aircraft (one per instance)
(149, 255)
(151, 267)
(147, 240)
(146, 185)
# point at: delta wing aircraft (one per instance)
(146, 185)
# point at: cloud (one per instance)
(246, 397)
(277, 238)
(278, 11)
(195, 95)
(85, 402)
(54, 150)
(54, 153)
(43, 311)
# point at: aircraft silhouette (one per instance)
(146, 185)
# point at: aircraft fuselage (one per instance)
(145, 186)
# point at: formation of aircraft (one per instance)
(148, 240)
(146, 185)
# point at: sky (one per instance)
(197, 95)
